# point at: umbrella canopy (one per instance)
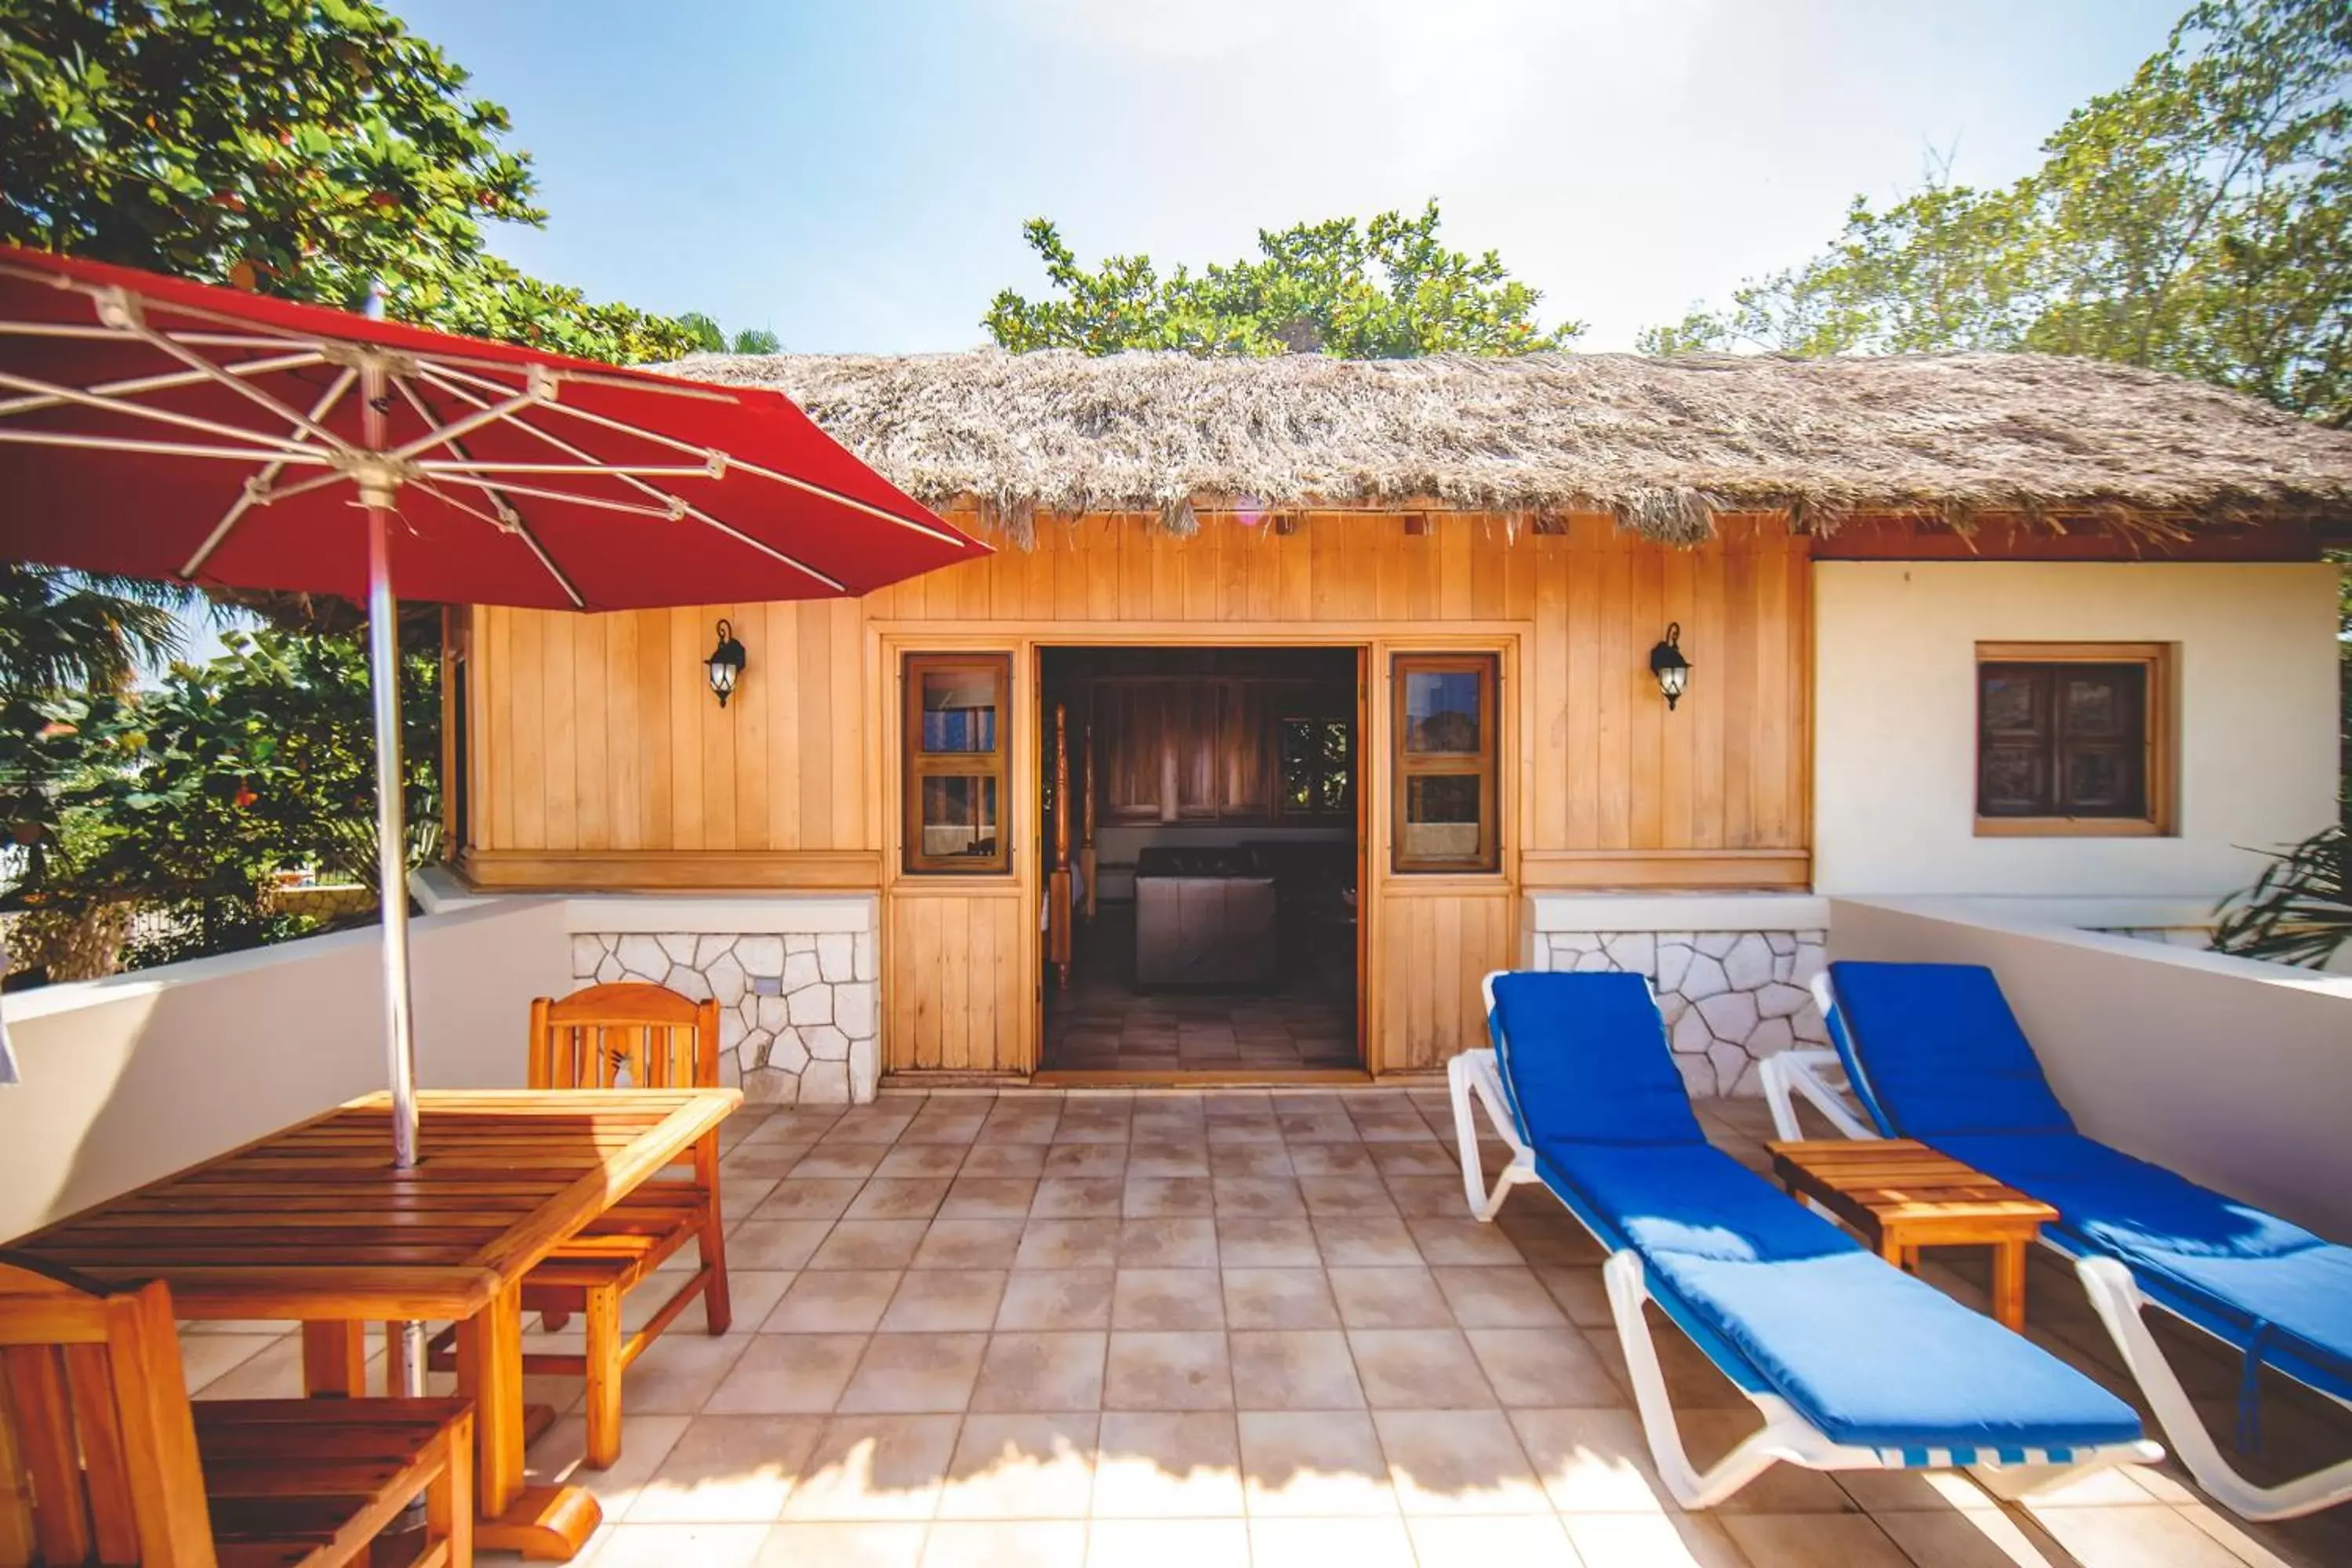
(162, 428)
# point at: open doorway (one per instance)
(1202, 839)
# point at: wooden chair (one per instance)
(612, 1036)
(102, 1459)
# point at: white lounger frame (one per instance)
(2115, 1295)
(1786, 1436)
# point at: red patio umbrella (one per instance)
(162, 428)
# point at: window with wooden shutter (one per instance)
(1442, 746)
(2072, 737)
(955, 753)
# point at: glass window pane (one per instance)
(959, 710)
(1440, 712)
(958, 816)
(2010, 708)
(1441, 816)
(1315, 765)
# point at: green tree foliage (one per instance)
(304, 148)
(1386, 290)
(2197, 219)
(190, 797)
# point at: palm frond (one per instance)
(2299, 910)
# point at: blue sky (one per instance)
(854, 173)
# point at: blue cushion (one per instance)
(2232, 1265)
(1865, 1351)
(1584, 1059)
(1941, 1052)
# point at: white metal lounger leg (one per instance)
(1790, 1076)
(2116, 1299)
(1783, 1437)
(1474, 1075)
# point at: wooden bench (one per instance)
(103, 1459)
(638, 1037)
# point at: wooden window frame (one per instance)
(2160, 757)
(916, 766)
(1405, 766)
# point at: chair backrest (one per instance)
(1934, 1049)
(1585, 1060)
(625, 1036)
(98, 1447)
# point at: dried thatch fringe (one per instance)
(1664, 445)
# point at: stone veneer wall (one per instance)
(1730, 998)
(797, 1015)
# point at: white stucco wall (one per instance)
(1894, 720)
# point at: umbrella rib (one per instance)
(510, 518)
(466, 466)
(206, 368)
(568, 498)
(141, 411)
(810, 485)
(471, 421)
(311, 457)
(689, 509)
(166, 383)
(244, 502)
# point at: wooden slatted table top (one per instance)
(1896, 1182)
(313, 1222)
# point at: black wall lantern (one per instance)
(725, 664)
(1666, 662)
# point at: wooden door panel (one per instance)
(1431, 950)
(951, 988)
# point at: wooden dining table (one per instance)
(313, 1223)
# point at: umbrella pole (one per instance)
(392, 839)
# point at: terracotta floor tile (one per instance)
(1580, 1294)
(1168, 1465)
(1055, 1298)
(679, 1372)
(875, 1466)
(1149, 1299)
(1258, 1198)
(989, 1198)
(870, 1244)
(1324, 1464)
(1068, 1244)
(2132, 1536)
(1365, 1241)
(660, 1545)
(1812, 1540)
(969, 1244)
(727, 1468)
(1247, 1160)
(1042, 1371)
(807, 1199)
(1079, 1197)
(1540, 1367)
(1277, 1243)
(934, 1301)
(1459, 1461)
(833, 1301)
(863, 1544)
(907, 1373)
(1653, 1540)
(1456, 1240)
(834, 1161)
(1972, 1538)
(1320, 1542)
(1347, 1158)
(1418, 1368)
(1167, 1157)
(1592, 1461)
(1185, 1371)
(1536, 1541)
(1344, 1195)
(1166, 1197)
(1390, 1298)
(1022, 1466)
(646, 1440)
(1168, 1243)
(787, 1375)
(1499, 1299)
(1168, 1543)
(921, 1160)
(1004, 1159)
(1032, 1543)
(1278, 1299)
(775, 1243)
(1288, 1369)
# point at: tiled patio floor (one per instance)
(1230, 1328)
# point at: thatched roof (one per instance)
(1662, 443)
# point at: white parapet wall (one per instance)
(2234, 1073)
(129, 1079)
(1731, 970)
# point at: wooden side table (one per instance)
(1903, 1196)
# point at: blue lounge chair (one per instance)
(1855, 1365)
(1933, 1052)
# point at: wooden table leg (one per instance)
(548, 1523)
(334, 1360)
(2008, 1284)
